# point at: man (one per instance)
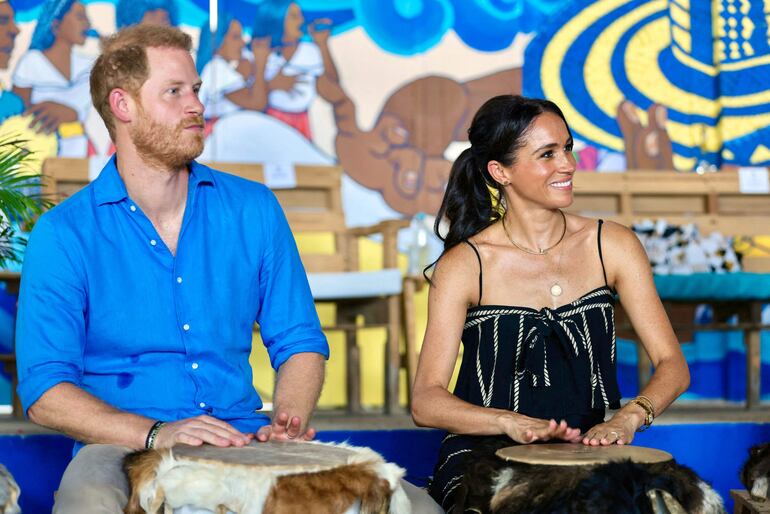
(139, 292)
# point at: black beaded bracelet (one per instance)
(149, 443)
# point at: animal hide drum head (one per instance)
(276, 456)
(565, 454)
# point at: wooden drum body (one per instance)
(270, 478)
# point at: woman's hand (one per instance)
(260, 47)
(525, 430)
(47, 116)
(320, 35)
(620, 429)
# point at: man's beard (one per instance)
(165, 146)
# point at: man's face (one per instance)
(8, 33)
(167, 128)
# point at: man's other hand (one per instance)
(285, 429)
(198, 430)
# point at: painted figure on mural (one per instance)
(10, 103)
(153, 12)
(403, 155)
(292, 64)
(647, 146)
(248, 92)
(52, 78)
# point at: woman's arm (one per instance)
(629, 270)
(455, 286)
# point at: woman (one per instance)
(227, 81)
(529, 290)
(293, 65)
(52, 79)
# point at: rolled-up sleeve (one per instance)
(287, 317)
(50, 330)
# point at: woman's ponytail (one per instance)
(467, 204)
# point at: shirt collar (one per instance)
(110, 188)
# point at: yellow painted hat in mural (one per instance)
(707, 61)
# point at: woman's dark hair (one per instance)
(497, 131)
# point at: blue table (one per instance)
(728, 294)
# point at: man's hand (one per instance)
(199, 430)
(47, 116)
(284, 429)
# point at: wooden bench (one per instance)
(713, 202)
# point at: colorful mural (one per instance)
(386, 89)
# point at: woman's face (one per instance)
(292, 24)
(8, 33)
(232, 44)
(73, 26)
(543, 168)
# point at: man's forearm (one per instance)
(82, 416)
(298, 386)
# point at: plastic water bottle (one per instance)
(418, 244)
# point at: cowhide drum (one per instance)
(269, 478)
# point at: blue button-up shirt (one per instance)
(106, 306)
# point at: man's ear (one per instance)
(122, 105)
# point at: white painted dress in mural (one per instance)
(35, 71)
(219, 79)
(307, 65)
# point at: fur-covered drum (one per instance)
(269, 478)
(9, 492)
(577, 479)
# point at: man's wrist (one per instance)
(152, 435)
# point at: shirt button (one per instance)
(194, 365)
(153, 242)
(133, 208)
(202, 405)
(178, 280)
(186, 327)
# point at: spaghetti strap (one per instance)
(478, 256)
(601, 259)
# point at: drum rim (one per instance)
(553, 454)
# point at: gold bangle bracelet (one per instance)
(646, 406)
(649, 403)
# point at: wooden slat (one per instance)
(712, 201)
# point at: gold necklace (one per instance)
(539, 251)
(556, 289)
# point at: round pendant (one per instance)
(556, 290)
